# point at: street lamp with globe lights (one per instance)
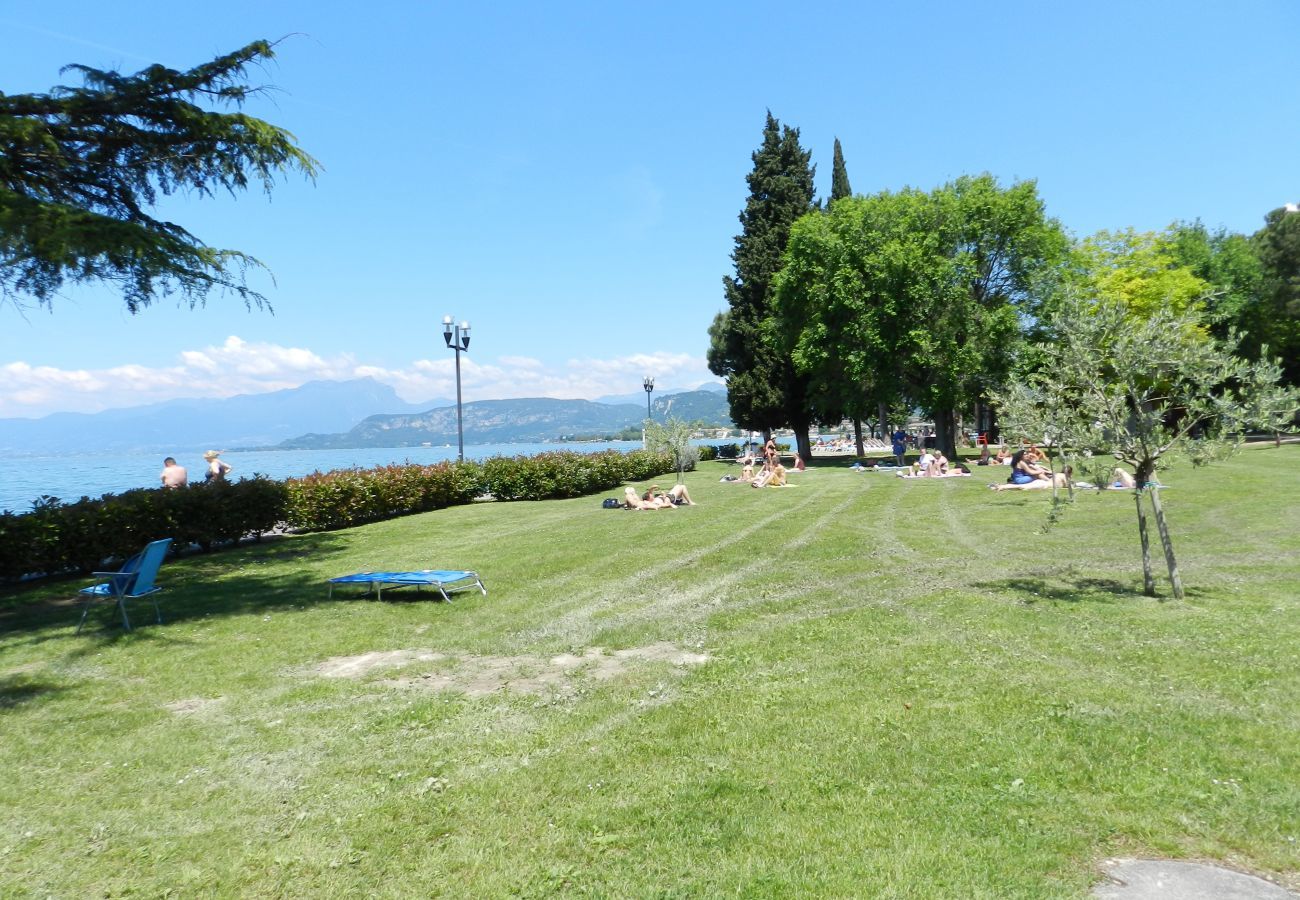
(649, 384)
(457, 338)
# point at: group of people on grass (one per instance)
(933, 464)
(1030, 471)
(772, 473)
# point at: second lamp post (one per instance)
(457, 337)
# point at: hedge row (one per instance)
(83, 536)
(89, 534)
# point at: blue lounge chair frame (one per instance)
(135, 579)
(446, 581)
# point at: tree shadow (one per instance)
(15, 690)
(1069, 588)
(250, 578)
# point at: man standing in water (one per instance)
(173, 475)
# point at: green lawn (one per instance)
(910, 691)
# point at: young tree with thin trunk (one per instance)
(673, 436)
(1137, 390)
(83, 167)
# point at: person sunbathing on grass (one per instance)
(1122, 480)
(632, 501)
(677, 495)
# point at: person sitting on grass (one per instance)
(773, 477)
(938, 465)
(747, 473)
(1026, 466)
(1060, 480)
(632, 501)
(677, 495)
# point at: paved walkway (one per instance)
(1162, 879)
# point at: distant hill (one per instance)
(515, 421)
(639, 397)
(241, 421)
(707, 407)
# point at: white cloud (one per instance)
(240, 367)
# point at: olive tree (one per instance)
(1137, 390)
(673, 437)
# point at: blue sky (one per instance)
(567, 176)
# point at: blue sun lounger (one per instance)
(446, 581)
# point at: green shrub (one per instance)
(91, 534)
(344, 497)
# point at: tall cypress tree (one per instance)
(763, 390)
(839, 175)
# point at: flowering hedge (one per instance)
(87, 535)
(345, 497)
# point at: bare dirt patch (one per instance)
(193, 704)
(478, 676)
(356, 666)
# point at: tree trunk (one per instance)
(857, 437)
(1174, 578)
(1148, 581)
(882, 416)
(943, 432)
(802, 442)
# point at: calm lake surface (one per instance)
(72, 476)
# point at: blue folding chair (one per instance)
(134, 579)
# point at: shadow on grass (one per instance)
(16, 690)
(1072, 589)
(252, 578)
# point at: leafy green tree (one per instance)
(842, 296)
(1274, 322)
(1138, 389)
(83, 167)
(1140, 270)
(763, 389)
(839, 176)
(918, 296)
(1230, 267)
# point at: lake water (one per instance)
(72, 476)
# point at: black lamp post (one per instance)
(649, 385)
(457, 337)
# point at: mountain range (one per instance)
(360, 412)
(523, 420)
(240, 421)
